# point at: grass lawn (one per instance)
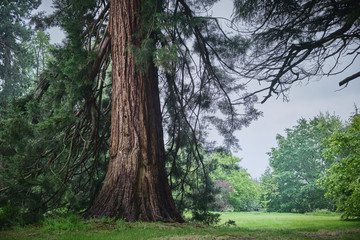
(253, 225)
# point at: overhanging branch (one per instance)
(348, 79)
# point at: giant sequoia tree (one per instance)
(171, 68)
(136, 185)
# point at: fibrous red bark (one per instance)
(136, 187)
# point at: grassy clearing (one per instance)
(252, 225)
(288, 221)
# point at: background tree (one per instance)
(295, 40)
(15, 60)
(237, 191)
(342, 178)
(297, 165)
(268, 190)
(40, 48)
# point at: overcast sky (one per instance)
(306, 101)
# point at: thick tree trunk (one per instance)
(136, 186)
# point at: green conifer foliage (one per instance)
(15, 60)
(54, 138)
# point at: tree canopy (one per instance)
(297, 165)
(342, 178)
(295, 40)
(237, 191)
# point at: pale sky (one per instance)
(306, 101)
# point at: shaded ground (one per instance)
(206, 237)
(327, 234)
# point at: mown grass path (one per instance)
(252, 225)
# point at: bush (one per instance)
(320, 212)
(8, 216)
(206, 217)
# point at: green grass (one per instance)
(288, 221)
(253, 225)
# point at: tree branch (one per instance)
(348, 79)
